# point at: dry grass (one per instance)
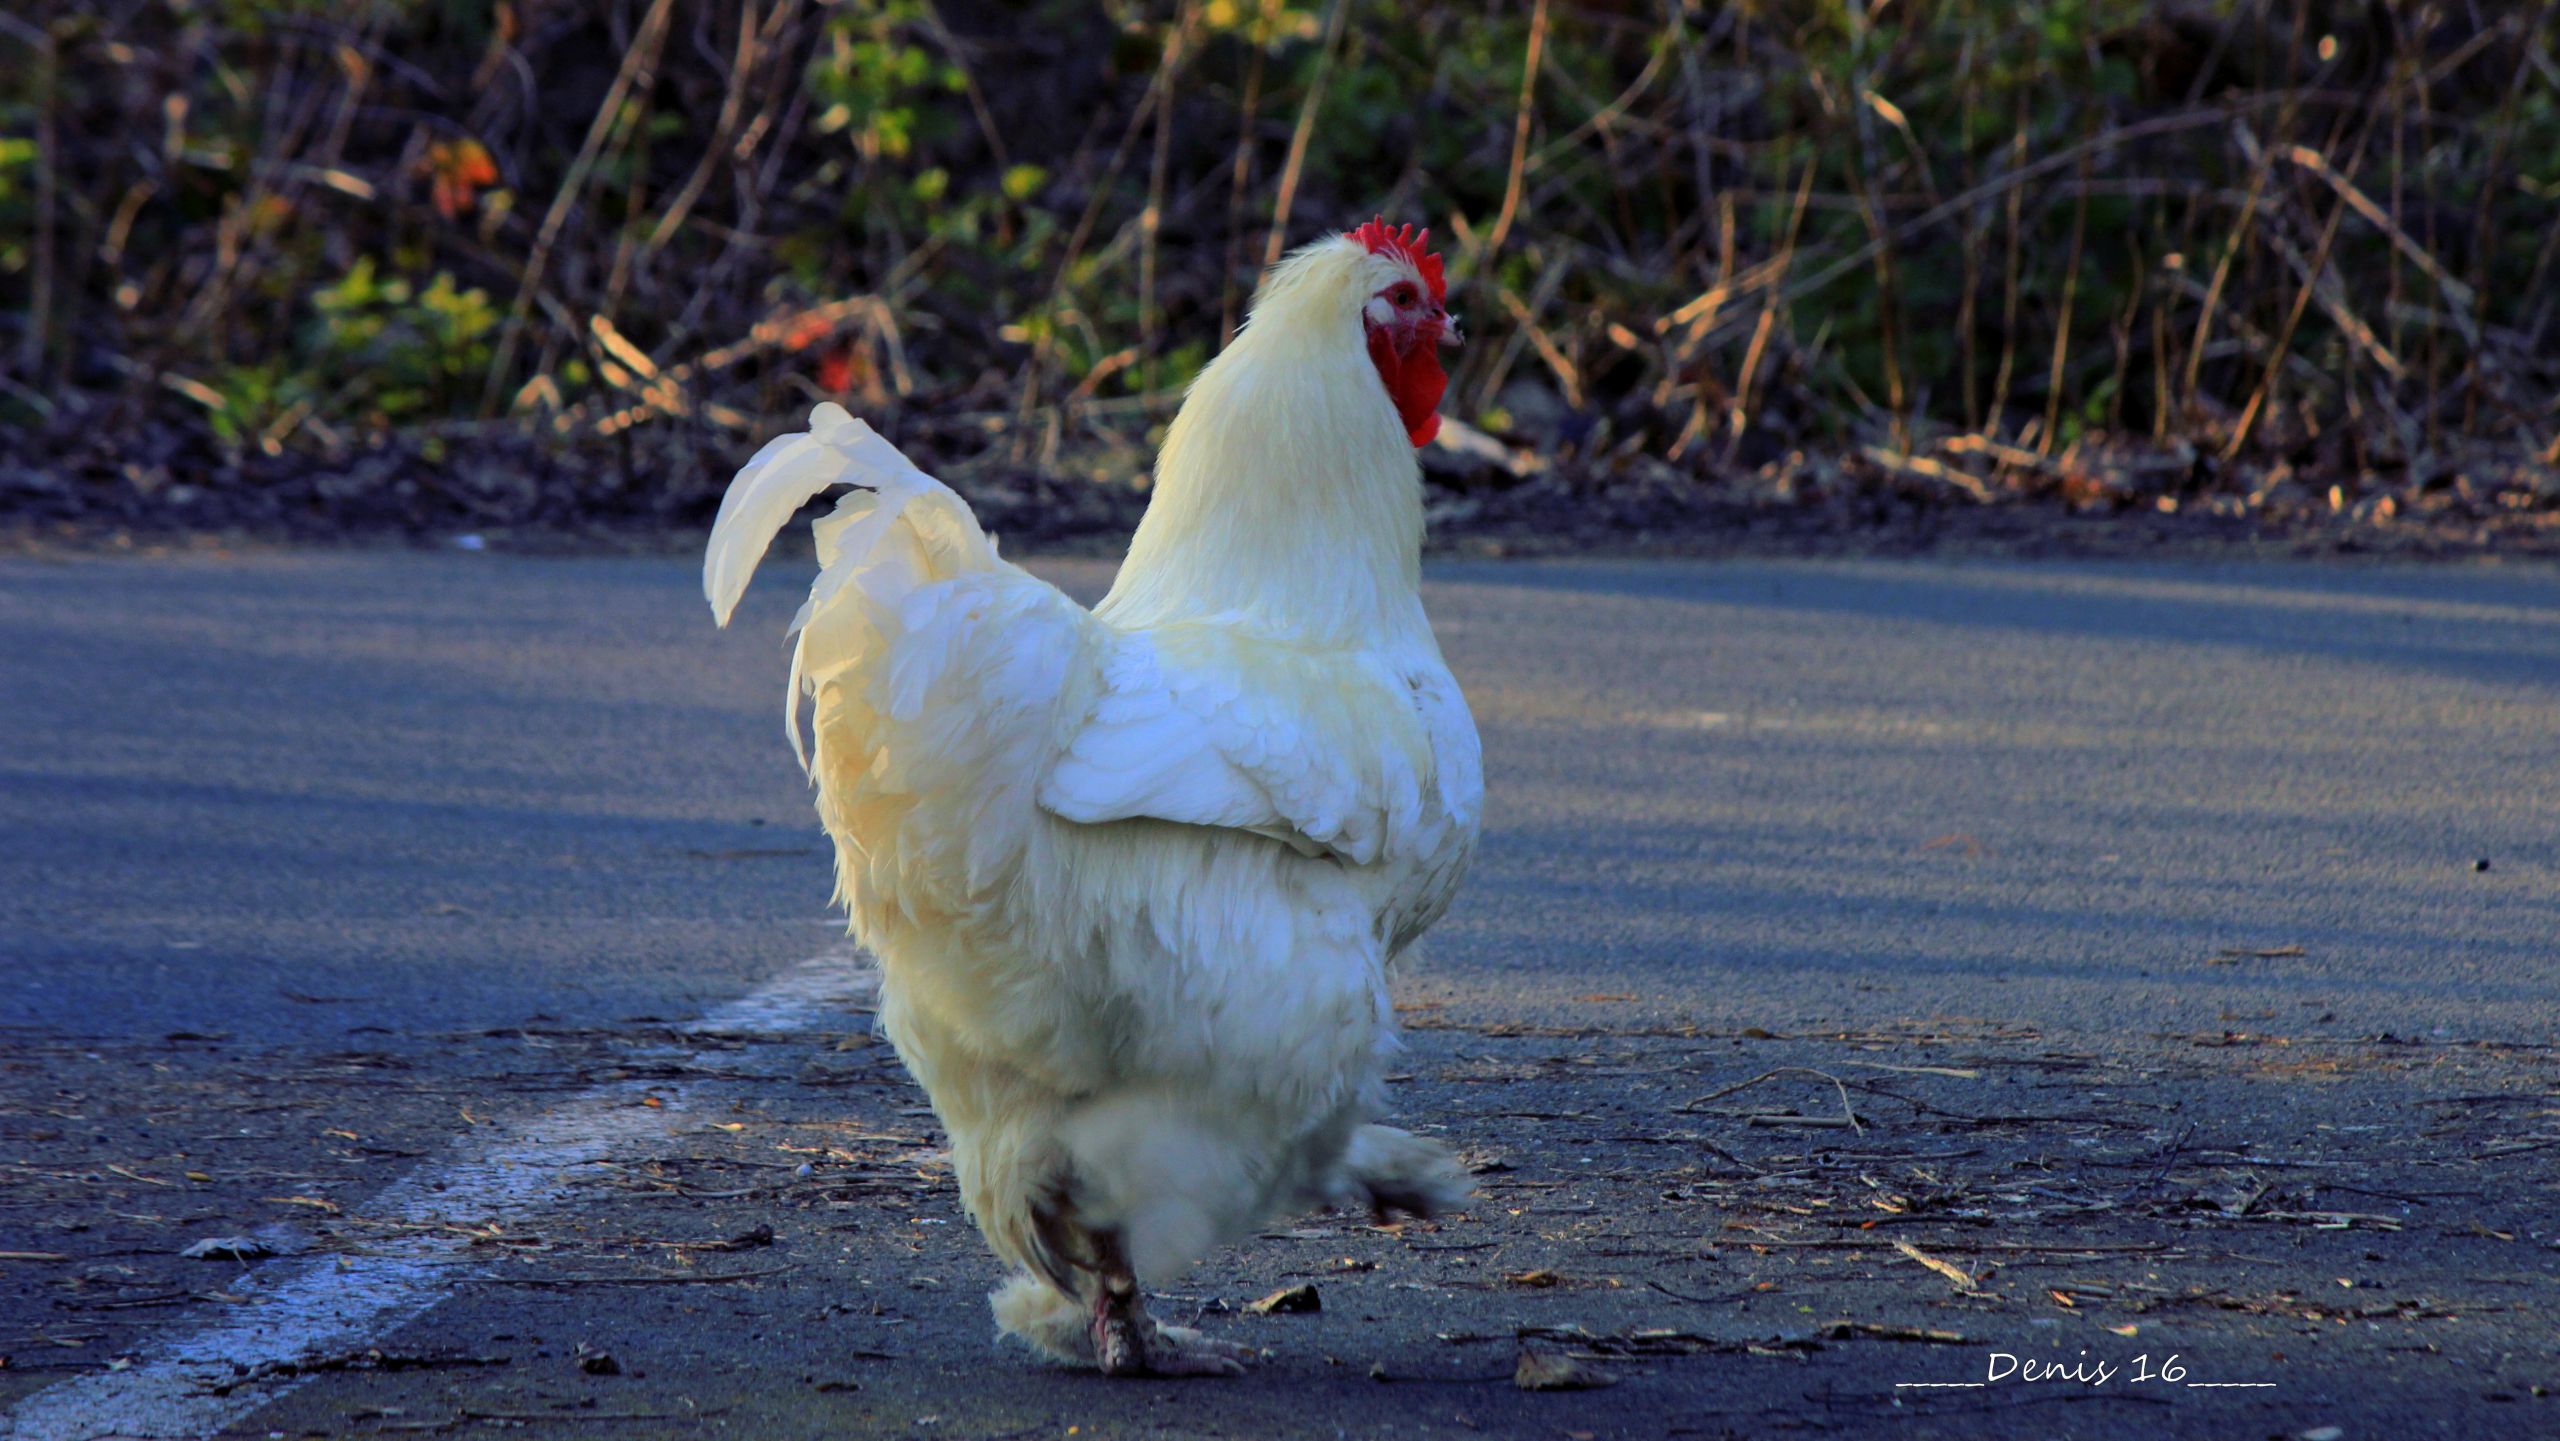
(548, 260)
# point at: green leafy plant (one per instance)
(396, 352)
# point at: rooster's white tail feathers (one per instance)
(898, 530)
(836, 449)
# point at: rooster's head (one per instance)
(1407, 322)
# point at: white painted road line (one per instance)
(330, 1304)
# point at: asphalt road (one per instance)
(2168, 952)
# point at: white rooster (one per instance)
(1136, 876)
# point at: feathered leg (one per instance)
(1395, 1170)
(1045, 1318)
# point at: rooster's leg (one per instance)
(1119, 1327)
(1128, 1342)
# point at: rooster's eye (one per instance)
(1402, 296)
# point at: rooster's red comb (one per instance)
(1409, 244)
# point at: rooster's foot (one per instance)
(1117, 1350)
(1181, 1351)
(1128, 1342)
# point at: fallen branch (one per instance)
(1924, 468)
(1962, 1278)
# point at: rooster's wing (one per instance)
(1208, 725)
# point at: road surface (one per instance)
(1876, 975)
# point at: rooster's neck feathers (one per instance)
(1287, 495)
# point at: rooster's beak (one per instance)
(1449, 333)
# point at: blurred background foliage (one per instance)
(423, 260)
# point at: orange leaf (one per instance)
(835, 370)
(457, 170)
